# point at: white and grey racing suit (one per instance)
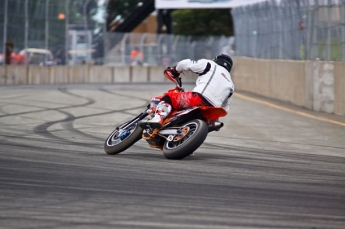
(214, 82)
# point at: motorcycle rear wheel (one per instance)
(197, 134)
(114, 144)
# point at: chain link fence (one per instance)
(59, 32)
(163, 49)
(47, 31)
(291, 29)
(68, 32)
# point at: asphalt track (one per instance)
(273, 165)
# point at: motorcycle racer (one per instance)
(214, 87)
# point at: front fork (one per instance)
(134, 120)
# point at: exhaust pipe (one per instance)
(215, 126)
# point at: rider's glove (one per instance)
(175, 72)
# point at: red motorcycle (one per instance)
(182, 132)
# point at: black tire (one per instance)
(114, 145)
(188, 144)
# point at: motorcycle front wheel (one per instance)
(182, 148)
(121, 139)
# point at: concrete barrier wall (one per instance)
(339, 89)
(10, 75)
(100, 74)
(13, 75)
(282, 80)
(60, 74)
(315, 85)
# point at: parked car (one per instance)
(35, 56)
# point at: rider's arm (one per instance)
(192, 65)
(227, 102)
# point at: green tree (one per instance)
(203, 22)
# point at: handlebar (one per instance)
(177, 80)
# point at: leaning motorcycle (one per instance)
(182, 132)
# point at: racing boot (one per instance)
(163, 109)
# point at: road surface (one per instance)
(272, 165)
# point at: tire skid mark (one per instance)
(42, 129)
(47, 149)
(63, 90)
(7, 138)
(119, 94)
(62, 150)
(67, 123)
(1, 110)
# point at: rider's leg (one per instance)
(153, 104)
(163, 109)
(173, 100)
(182, 100)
